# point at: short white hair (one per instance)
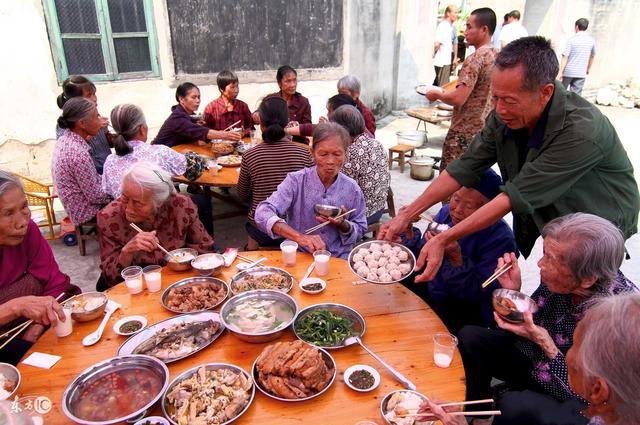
(351, 83)
(149, 177)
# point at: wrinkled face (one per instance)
(516, 107)
(14, 217)
(554, 271)
(329, 156)
(191, 102)
(464, 202)
(289, 83)
(344, 90)
(138, 204)
(93, 123)
(231, 91)
(474, 34)
(576, 375)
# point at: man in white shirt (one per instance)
(443, 46)
(577, 58)
(513, 30)
(495, 39)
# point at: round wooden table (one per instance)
(226, 177)
(399, 329)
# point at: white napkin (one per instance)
(41, 360)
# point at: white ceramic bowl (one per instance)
(311, 280)
(141, 319)
(12, 373)
(372, 371)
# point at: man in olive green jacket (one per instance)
(557, 154)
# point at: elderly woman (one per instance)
(603, 361)
(180, 129)
(150, 201)
(29, 275)
(581, 260)
(74, 175)
(366, 161)
(350, 85)
(289, 212)
(227, 110)
(79, 86)
(265, 166)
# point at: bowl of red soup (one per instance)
(115, 390)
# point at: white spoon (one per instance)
(94, 337)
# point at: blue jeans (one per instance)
(573, 84)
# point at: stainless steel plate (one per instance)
(411, 260)
(358, 327)
(194, 281)
(329, 361)
(261, 271)
(385, 400)
(208, 366)
(134, 341)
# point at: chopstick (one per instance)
(21, 327)
(139, 230)
(245, 259)
(465, 403)
(232, 125)
(321, 225)
(502, 270)
(427, 414)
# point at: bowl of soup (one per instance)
(259, 316)
(115, 390)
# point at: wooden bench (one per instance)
(403, 151)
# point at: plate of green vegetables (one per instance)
(328, 325)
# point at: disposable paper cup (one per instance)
(444, 345)
(322, 258)
(289, 250)
(132, 276)
(153, 278)
(65, 328)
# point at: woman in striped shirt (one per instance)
(265, 166)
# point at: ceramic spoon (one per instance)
(94, 337)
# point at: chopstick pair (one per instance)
(139, 230)
(502, 270)
(321, 225)
(232, 125)
(458, 403)
(21, 327)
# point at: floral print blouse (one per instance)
(559, 316)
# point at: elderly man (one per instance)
(455, 294)
(350, 85)
(471, 98)
(557, 154)
(444, 46)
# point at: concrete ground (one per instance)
(84, 271)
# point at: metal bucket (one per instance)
(422, 167)
(414, 138)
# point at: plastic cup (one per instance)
(289, 250)
(153, 278)
(322, 262)
(444, 345)
(132, 276)
(65, 328)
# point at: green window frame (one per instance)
(107, 41)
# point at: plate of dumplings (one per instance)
(382, 262)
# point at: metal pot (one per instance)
(422, 167)
(414, 138)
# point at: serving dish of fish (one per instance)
(176, 338)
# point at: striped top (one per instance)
(578, 50)
(265, 166)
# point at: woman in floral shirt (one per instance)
(581, 260)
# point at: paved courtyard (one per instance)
(84, 271)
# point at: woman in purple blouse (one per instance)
(289, 211)
(180, 129)
(29, 275)
(581, 261)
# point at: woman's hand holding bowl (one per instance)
(530, 331)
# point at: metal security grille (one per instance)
(107, 39)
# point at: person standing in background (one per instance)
(513, 30)
(443, 46)
(577, 58)
(495, 39)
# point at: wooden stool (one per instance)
(86, 232)
(402, 151)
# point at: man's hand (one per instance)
(434, 95)
(390, 231)
(431, 254)
(42, 310)
(511, 279)
(311, 243)
(145, 241)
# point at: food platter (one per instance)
(424, 88)
(258, 278)
(243, 388)
(399, 264)
(92, 398)
(200, 341)
(328, 360)
(181, 288)
(347, 322)
(230, 160)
